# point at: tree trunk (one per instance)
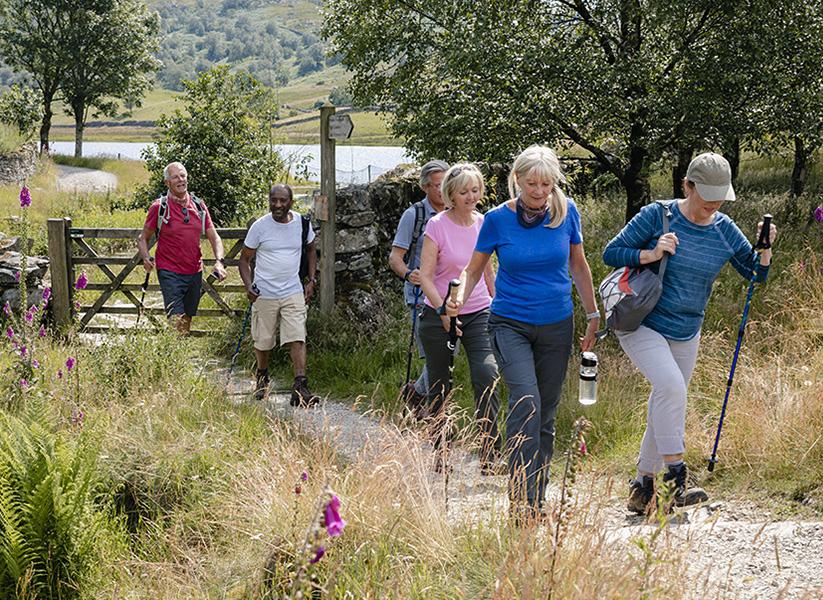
(732, 154)
(684, 157)
(635, 181)
(800, 169)
(45, 124)
(78, 131)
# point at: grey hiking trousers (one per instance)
(482, 366)
(532, 360)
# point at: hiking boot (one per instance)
(676, 478)
(415, 402)
(300, 394)
(261, 386)
(640, 495)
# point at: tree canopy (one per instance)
(222, 137)
(628, 81)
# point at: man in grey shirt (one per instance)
(404, 259)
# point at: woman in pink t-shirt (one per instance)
(448, 244)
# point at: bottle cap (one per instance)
(588, 359)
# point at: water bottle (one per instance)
(588, 378)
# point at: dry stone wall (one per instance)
(36, 267)
(18, 166)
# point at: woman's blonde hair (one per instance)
(458, 176)
(542, 162)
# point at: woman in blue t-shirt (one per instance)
(664, 348)
(539, 246)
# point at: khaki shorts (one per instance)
(266, 312)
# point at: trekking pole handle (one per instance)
(145, 285)
(764, 241)
(454, 286)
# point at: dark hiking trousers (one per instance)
(482, 366)
(532, 360)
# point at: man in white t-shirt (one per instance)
(276, 292)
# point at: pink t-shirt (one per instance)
(178, 245)
(455, 245)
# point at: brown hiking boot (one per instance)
(261, 386)
(640, 495)
(300, 394)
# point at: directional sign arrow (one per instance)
(340, 127)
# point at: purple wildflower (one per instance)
(17, 276)
(35, 363)
(584, 450)
(10, 332)
(77, 418)
(23, 351)
(46, 294)
(29, 316)
(24, 385)
(42, 332)
(81, 282)
(70, 362)
(59, 373)
(25, 197)
(818, 214)
(7, 309)
(334, 524)
(76, 305)
(304, 476)
(318, 554)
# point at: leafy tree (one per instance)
(109, 52)
(21, 107)
(30, 31)
(625, 81)
(222, 136)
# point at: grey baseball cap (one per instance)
(712, 176)
(433, 166)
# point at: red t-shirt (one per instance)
(178, 245)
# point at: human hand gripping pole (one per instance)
(763, 243)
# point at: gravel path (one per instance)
(82, 180)
(736, 548)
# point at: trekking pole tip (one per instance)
(712, 462)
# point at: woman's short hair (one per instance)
(542, 162)
(457, 177)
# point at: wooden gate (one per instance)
(69, 248)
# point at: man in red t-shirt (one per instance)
(178, 256)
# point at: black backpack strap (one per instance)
(666, 207)
(306, 222)
(419, 222)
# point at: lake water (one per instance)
(355, 164)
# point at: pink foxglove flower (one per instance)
(70, 362)
(334, 524)
(17, 276)
(59, 373)
(25, 197)
(81, 282)
(818, 214)
(42, 332)
(24, 384)
(46, 294)
(318, 554)
(7, 309)
(35, 363)
(10, 332)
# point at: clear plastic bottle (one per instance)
(588, 378)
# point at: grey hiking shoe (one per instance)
(676, 478)
(300, 394)
(261, 386)
(640, 495)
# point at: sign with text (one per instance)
(340, 127)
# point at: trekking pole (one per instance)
(141, 308)
(411, 340)
(763, 243)
(451, 345)
(451, 294)
(239, 342)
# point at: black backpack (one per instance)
(304, 254)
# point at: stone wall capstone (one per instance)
(19, 165)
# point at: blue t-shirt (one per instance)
(533, 284)
(691, 271)
(403, 239)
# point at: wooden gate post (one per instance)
(328, 185)
(59, 264)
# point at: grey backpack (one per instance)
(631, 293)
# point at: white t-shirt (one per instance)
(278, 246)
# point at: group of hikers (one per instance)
(515, 323)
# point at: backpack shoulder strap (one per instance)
(305, 222)
(666, 208)
(162, 212)
(201, 212)
(419, 222)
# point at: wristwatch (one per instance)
(311, 280)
